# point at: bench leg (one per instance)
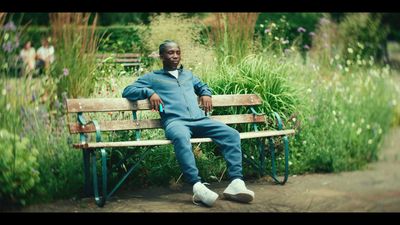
(118, 185)
(261, 150)
(272, 151)
(86, 172)
(100, 200)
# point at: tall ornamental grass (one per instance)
(263, 75)
(75, 46)
(232, 34)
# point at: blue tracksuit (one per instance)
(183, 118)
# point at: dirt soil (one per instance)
(373, 189)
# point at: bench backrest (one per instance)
(127, 59)
(121, 104)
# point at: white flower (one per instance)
(304, 142)
(4, 92)
(350, 50)
(370, 141)
(359, 131)
(309, 90)
(380, 131)
(368, 126)
(334, 112)
(8, 106)
(362, 120)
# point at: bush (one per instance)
(280, 31)
(121, 39)
(362, 36)
(19, 168)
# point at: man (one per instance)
(45, 54)
(176, 90)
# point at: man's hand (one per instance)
(155, 102)
(206, 103)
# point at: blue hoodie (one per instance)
(178, 95)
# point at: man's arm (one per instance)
(138, 90)
(141, 89)
(201, 89)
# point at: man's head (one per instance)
(170, 54)
(45, 42)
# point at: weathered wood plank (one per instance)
(127, 60)
(247, 135)
(155, 123)
(122, 104)
(118, 55)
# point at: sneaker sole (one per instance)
(209, 204)
(241, 197)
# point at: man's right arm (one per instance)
(139, 90)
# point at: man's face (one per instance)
(171, 56)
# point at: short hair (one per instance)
(163, 46)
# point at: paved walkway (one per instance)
(374, 189)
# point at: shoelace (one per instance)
(194, 195)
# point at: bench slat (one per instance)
(246, 135)
(118, 55)
(122, 104)
(155, 123)
(126, 60)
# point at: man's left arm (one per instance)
(201, 89)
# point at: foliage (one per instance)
(19, 168)
(362, 36)
(121, 39)
(59, 166)
(75, 44)
(343, 117)
(262, 75)
(9, 44)
(232, 34)
(359, 37)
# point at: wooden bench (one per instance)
(126, 59)
(104, 105)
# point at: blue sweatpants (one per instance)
(227, 138)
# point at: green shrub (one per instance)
(344, 117)
(362, 36)
(262, 75)
(19, 168)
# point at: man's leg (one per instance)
(180, 135)
(227, 139)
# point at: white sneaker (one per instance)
(203, 194)
(237, 191)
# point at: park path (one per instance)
(376, 188)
